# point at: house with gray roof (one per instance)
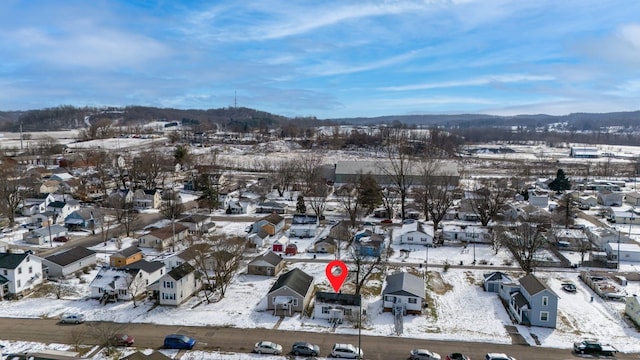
(44, 234)
(178, 285)
(269, 264)
(272, 224)
(291, 293)
(19, 273)
(336, 306)
(492, 281)
(68, 262)
(530, 302)
(404, 292)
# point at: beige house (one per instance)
(147, 199)
(162, 238)
(269, 264)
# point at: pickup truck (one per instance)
(593, 347)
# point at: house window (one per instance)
(347, 312)
(122, 292)
(19, 284)
(295, 302)
(389, 298)
(423, 239)
(544, 316)
(410, 238)
(30, 269)
(325, 309)
(168, 284)
(413, 301)
(545, 300)
(100, 290)
(19, 270)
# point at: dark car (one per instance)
(569, 287)
(593, 347)
(122, 340)
(60, 239)
(457, 356)
(305, 349)
(179, 341)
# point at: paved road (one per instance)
(242, 340)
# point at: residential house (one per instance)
(31, 206)
(303, 226)
(242, 206)
(632, 309)
(62, 209)
(340, 232)
(44, 234)
(466, 211)
(68, 262)
(631, 216)
(531, 302)
(121, 197)
(268, 264)
(632, 198)
(197, 224)
(269, 207)
(492, 281)
(600, 236)
(587, 201)
(570, 239)
(150, 271)
(368, 243)
(49, 186)
(416, 233)
(325, 245)
(584, 152)
(260, 238)
(123, 283)
(291, 293)
(336, 306)
(629, 252)
(81, 219)
(404, 293)
(539, 199)
(126, 256)
(162, 238)
(147, 199)
(178, 285)
(19, 273)
(272, 224)
(466, 233)
(61, 175)
(610, 198)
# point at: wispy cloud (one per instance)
(478, 81)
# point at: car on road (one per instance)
(72, 319)
(346, 351)
(304, 348)
(386, 221)
(122, 340)
(267, 347)
(593, 347)
(498, 356)
(179, 341)
(60, 239)
(457, 356)
(423, 354)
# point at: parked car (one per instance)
(61, 239)
(122, 340)
(346, 351)
(386, 221)
(267, 347)
(498, 356)
(179, 341)
(72, 319)
(457, 356)
(569, 287)
(593, 347)
(305, 349)
(423, 354)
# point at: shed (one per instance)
(292, 249)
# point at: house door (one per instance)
(269, 271)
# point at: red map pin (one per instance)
(336, 272)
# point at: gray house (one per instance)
(291, 293)
(68, 262)
(44, 234)
(404, 293)
(269, 264)
(492, 281)
(530, 302)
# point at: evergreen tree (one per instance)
(301, 208)
(560, 183)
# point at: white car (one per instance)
(498, 356)
(423, 354)
(72, 319)
(267, 347)
(346, 351)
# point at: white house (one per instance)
(610, 198)
(336, 306)
(303, 226)
(632, 198)
(44, 234)
(629, 252)
(466, 233)
(416, 233)
(19, 273)
(624, 216)
(403, 293)
(539, 199)
(111, 283)
(68, 262)
(178, 285)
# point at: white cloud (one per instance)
(478, 81)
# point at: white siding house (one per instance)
(19, 273)
(178, 285)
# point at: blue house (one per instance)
(368, 243)
(80, 220)
(530, 302)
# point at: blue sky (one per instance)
(324, 58)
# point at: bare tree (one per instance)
(283, 175)
(136, 285)
(349, 200)
(147, 167)
(77, 336)
(399, 168)
(125, 213)
(317, 197)
(389, 196)
(105, 333)
(435, 195)
(487, 201)
(524, 240)
(565, 211)
(10, 195)
(308, 166)
(361, 268)
(172, 207)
